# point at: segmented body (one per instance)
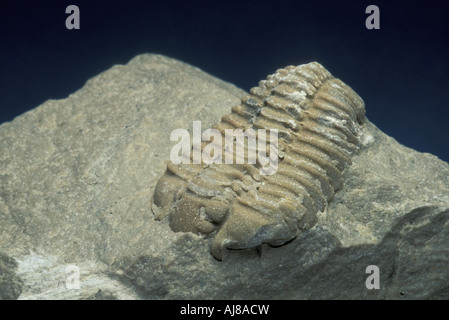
(319, 121)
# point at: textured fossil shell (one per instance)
(319, 121)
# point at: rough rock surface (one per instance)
(77, 176)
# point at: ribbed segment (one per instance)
(235, 120)
(185, 172)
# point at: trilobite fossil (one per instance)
(319, 120)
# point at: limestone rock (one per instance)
(77, 176)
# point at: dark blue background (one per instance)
(401, 71)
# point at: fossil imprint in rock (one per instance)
(319, 120)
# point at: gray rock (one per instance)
(77, 176)
(10, 283)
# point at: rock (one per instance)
(77, 176)
(10, 283)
